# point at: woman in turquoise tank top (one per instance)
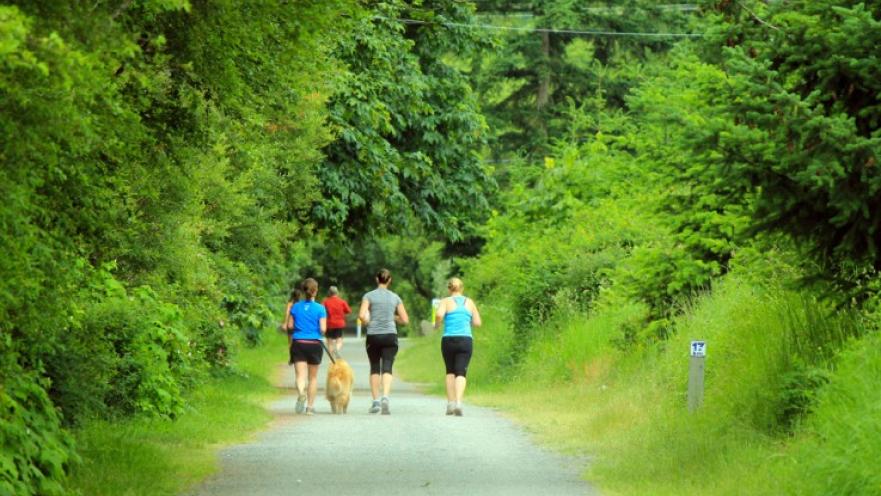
(458, 314)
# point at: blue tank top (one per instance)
(307, 319)
(457, 322)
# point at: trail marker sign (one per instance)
(696, 375)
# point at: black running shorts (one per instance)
(381, 351)
(457, 354)
(306, 351)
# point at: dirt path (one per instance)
(415, 450)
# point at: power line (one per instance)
(681, 7)
(545, 30)
(766, 23)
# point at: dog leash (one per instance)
(328, 352)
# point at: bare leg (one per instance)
(313, 385)
(339, 344)
(460, 388)
(374, 386)
(300, 370)
(451, 388)
(386, 384)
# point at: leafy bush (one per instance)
(35, 452)
(155, 356)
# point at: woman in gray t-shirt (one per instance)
(380, 310)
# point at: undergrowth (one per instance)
(791, 398)
(159, 456)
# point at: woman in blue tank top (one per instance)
(458, 314)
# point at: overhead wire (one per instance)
(681, 7)
(685, 7)
(544, 30)
(756, 17)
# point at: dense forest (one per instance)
(610, 178)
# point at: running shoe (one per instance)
(375, 407)
(301, 403)
(310, 411)
(457, 411)
(385, 410)
(450, 408)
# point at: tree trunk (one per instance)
(544, 84)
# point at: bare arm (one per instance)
(291, 333)
(475, 315)
(322, 323)
(439, 313)
(288, 319)
(363, 312)
(288, 322)
(401, 315)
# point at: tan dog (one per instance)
(339, 385)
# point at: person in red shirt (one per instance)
(337, 309)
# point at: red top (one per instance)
(337, 309)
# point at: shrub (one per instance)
(35, 452)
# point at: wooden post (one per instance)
(696, 375)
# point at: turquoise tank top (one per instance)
(457, 322)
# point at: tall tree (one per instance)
(151, 158)
(805, 132)
(408, 126)
(543, 67)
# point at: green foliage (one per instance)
(165, 164)
(779, 415)
(157, 456)
(35, 453)
(677, 104)
(156, 162)
(527, 85)
(408, 128)
(567, 229)
(841, 453)
(130, 353)
(418, 270)
(804, 133)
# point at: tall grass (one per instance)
(781, 413)
(158, 456)
(842, 451)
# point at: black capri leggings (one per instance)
(381, 351)
(457, 354)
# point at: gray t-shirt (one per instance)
(382, 311)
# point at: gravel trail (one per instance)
(417, 450)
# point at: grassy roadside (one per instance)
(627, 411)
(600, 421)
(163, 457)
